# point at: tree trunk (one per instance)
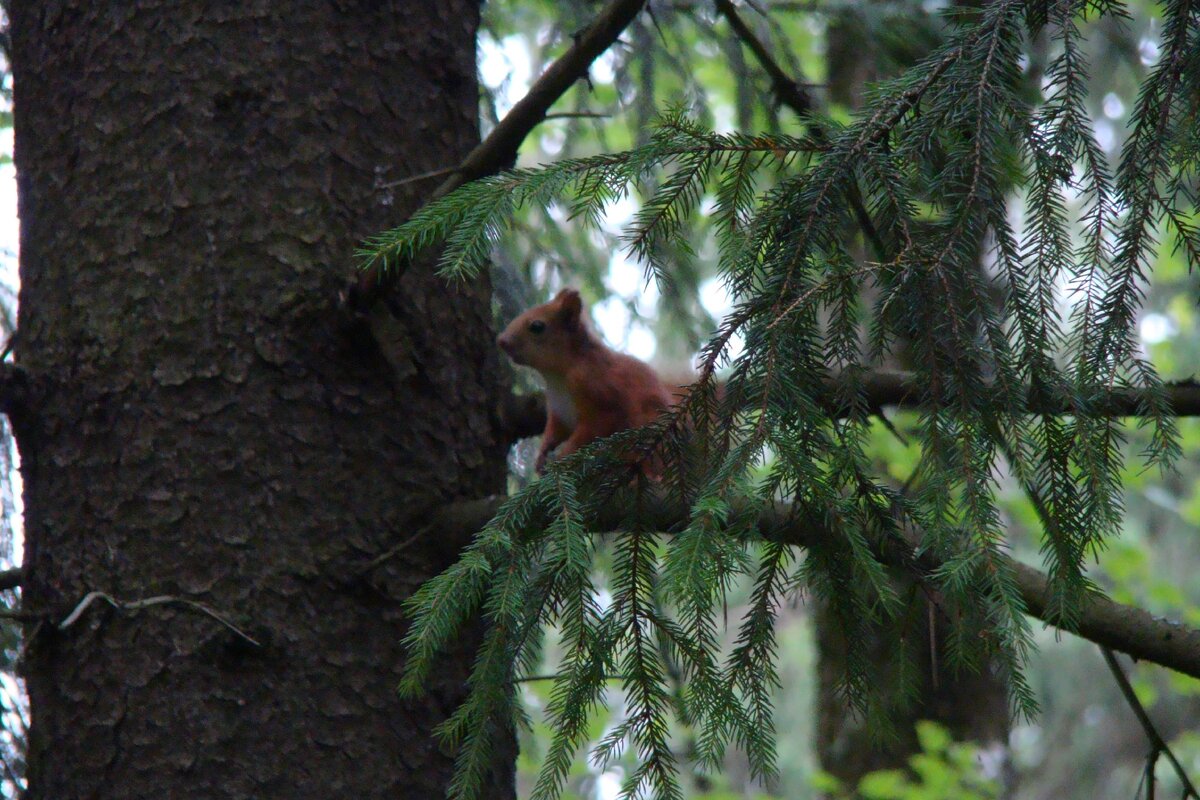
(194, 177)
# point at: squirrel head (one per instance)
(547, 337)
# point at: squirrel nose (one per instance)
(505, 343)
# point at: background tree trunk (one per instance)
(194, 177)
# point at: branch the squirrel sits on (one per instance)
(592, 391)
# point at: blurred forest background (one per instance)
(685, 54)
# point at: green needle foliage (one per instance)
(935, 158)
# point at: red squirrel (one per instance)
(591, 390)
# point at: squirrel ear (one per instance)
(571, 305)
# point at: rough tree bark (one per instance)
(193, 179)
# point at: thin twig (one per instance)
(555, 676)
(500, 147)
(1148, 775)
(1157, 743)
(934, 672)
(578, 115)
(159, 600)
(433, 173)
(891, 427)
(391, 553)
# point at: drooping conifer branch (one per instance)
(1120, 627)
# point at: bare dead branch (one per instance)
(15, 391)
(499, 150)
(787, 90)
(1157, 743)
(11, 578)
(578, 115)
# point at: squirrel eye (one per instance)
(537, 326)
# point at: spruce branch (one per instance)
(524, 415)
(1123, 628)
(472, 218)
